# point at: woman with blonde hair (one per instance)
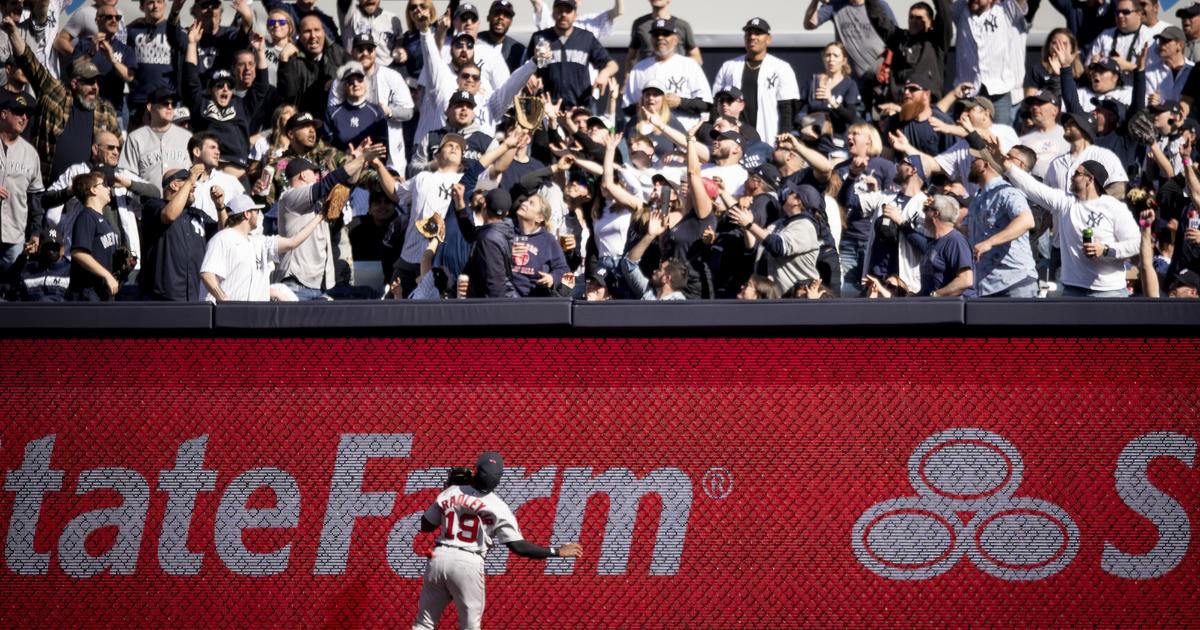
(281, 30)
(538, 263)
(833, 90)
(654, 121)
(863, 172)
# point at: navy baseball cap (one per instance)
(570, 3)
(1166, 106)
(1098, 172)
(488, 470)
(915, 162)
(728, 135)
(161, 94)
(499, 202)
(298, 165)
(173, 176)
(1105, 64)
(769, 174)
(731, 92)
(921, 80)
(664, 25)
(809, 197)
(1041, 96)
(758, 24)
(503, 6)
(465, 9)
(1189, 11)
(462, 96)
(362, 40)
(1086, 122)
(16, 103)
(221, 76)
(299, 120)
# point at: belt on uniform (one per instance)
(444, 545)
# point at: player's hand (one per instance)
(570, 550)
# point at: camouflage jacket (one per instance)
(324, 156)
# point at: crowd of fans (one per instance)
(172, 158)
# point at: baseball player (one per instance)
(471, 517)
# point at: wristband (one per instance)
(554, 551)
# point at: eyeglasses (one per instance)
(1124, 11)
(469, 18)
(166, 103)
(110, 147)
(277, 22)
(110, 16)
(354, 78)
(467, 76)
(223, 85)
(464, 45)
(913, 89)
(1081, 174)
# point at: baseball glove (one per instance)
(335, 201)
(1141, 127)
(460, 476)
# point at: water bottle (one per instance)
(1194, 220)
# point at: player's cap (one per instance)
(1172, 33)
(462, 96)
(300, 120)
(921, 80)
(295, 166)
(174, 176)
(809, 197)
(488, 470)
(1040, 97)
(1086, 122)
(245, 203)
(220, 76)
(362, 40)
(979, 101)
(1107, 63)
(162, 94)
(1098, 173)
(349, 69)
(1189, 11)
(502, 6)
(758, 24)
(570, 3)
(728, 135)
(655, 84)
(84, 69)
(453, 138)
(16, 103)
(664, 25)
(731, 92)
(769, 174)
(466, 8)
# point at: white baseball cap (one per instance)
(242, 203)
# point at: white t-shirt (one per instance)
(242, 264)
(229, 185)
(612, 230)
(1047, 145)
(776, 83)
(956, 161)
(427, 194)
(472, 520)
(1058, 174)
(733, 175)
(680, 75)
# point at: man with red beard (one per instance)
(912, 117)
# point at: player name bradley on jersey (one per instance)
(469, 502)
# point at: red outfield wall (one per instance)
(713, 482)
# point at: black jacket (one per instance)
(304, 82)
(489, 264)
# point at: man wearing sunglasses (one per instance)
(69, 116)
(82, 24)
(116, 62)
(21, 213)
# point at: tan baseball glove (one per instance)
(335, 201)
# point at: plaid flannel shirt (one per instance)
(324, 156)
(54, 108)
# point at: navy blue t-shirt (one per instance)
(949, 255)
(349, 124)
(173, 252)
(920, 134)
(75, 142)
(112, 86)
(152, 47)
(96, 236)
(858, 225)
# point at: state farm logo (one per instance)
(966, 481)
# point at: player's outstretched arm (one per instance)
(527, 549)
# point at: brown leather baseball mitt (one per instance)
(335, 201)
